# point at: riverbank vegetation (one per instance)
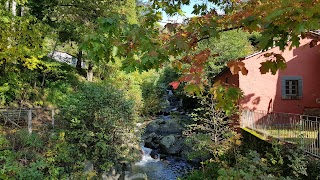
(125, 62)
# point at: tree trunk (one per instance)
(90, 72)
(54, 48)
(79, 60)
(3, 68)
(14, 8)
(7, 5)
(20, 11)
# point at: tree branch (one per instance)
(223, 30)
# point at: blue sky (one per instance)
(188, 13)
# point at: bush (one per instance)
(43, 86)
(152, 93)
(100, 123)
(313, 169)
(211, 131)
(250, 166)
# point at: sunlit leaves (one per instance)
(31, 63)
(21, 40)
(281, 21)
(226, 97)
(236, 67)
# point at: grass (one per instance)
(294, 135)
(306, 138)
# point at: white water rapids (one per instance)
(156, 169)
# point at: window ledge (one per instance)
(291, 97)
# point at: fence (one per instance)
(32, 119)
(292, 128)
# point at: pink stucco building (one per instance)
(293, 90)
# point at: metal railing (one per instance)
(30, 118)
(297, 129)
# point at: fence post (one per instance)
(52, 117)
(30, 121)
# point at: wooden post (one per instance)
(30, 121)
(52, 117)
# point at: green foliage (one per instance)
(4, 143)
(21, 41)
(250, 166)
(209, 172)
(313, 169)
(211, 132)
(152, 94)
(35, 156)
(273, 64)
(226, 98)
(168, 74)
(23, 139)
(230, 45)
(254, 39)
(145, 88)
(46, 85)
(297, 163)
(130, 84)
(283, 159)
(100, 123)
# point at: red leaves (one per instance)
(192, 68)
(201, 57)
(236, 66)
(175, 84)
(191, 78)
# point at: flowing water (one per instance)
(155, 169)
(170, 168)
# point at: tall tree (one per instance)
(74, 19)
(231, 45)
(281, 23)
(21, 40)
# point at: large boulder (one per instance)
(167, 141)
(171, 144)
(165, 127)
(177, 147)
(152, 141)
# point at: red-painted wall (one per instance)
(263, 91)
(225, 77)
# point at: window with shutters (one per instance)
(291, 87)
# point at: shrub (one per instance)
(250, 166)
(313, 169)
(152, 94)
(211, 131)
(100, 125)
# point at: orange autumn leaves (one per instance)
(237, 66)
(195, 69)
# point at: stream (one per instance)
(163, 135)
(155, 169)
